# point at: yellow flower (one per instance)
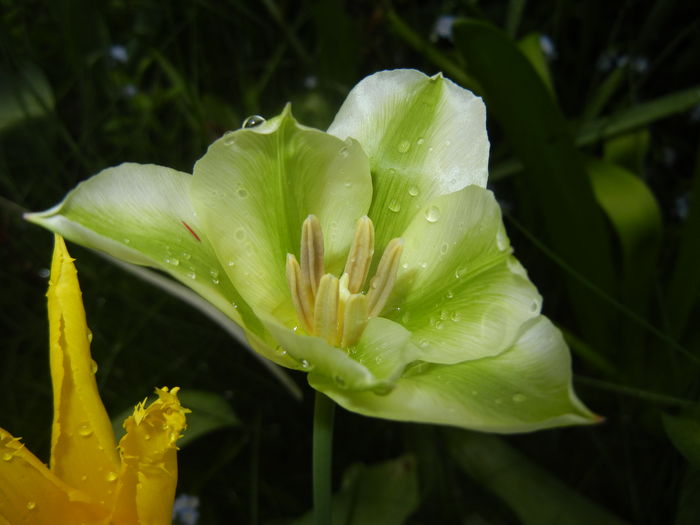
(88, 480)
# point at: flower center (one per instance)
(332, 308)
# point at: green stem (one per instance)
(324, 412)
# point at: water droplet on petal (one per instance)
(404, 146)
(191, 275)
(126, 241)
(187, 256)
(534, 306)
(460, 272)
(339, 381)
(395, 205)
(231, 263)
(242, 193)
(93, 366)
(420, 141)
(519, 398)
(229, 138)
(443, 249)
(85, 430)
(89, 335)
(253, 121)
(413, 191)
(456, 316)
(111, 477)
(7, 456)
(343, 153)
(432, 214)
(450, 294)
(31, 505)
(305, 364)
(240, 234)
(172, 260)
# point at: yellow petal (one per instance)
(83, 450)
(31, 494)
(146, 486)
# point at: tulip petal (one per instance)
(526, 388)
(31, 494)
(459, 290)
(254, 188)
(83, 450)
(376, 362)
(146, 484)
(424, 136)
(141, 214)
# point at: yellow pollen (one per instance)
(336, 309)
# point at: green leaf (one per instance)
(684, 287)
(210, 412)
(381, 494)
(638, 116)
(24, 94)
(553, 169)
(424, 136)
(684, 432)
(628, 150)
(532, 493)
(688, 507)
(526, 388)
(531, 48)
(634, 213)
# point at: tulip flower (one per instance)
(89, 481)
(370, 256)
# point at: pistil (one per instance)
(336, 309)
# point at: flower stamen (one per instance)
(336, 309)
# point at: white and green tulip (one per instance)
(370, 256)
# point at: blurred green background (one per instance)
(594, 119)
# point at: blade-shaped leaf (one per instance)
(531, 492)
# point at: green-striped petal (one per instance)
(424, 136)
(459, 290)
(526, 388)
(254, 188)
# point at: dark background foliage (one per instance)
(101, 83)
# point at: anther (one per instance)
(311, 254)
(301, 296)
(383, 281)
(360, 256)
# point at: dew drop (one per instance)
(191, 275)
(229, 138)
(423, 343)
(444, 248)
(404, 146)
(83, 478)
(240, 234)
(214, 273)
(501, 240)
(89, 335)
(126, 241)
(253, 121)
(432, 214)
(343, 153)
(111, 477)
(519, 398)
(420, 141)
(439, 325)
(231, 263)
(31, 505)
(339, 381)
(395, 205)
(348, 184)
(534, 306)
(7, 456)
(456, 316)
(450, 294)
(85, 430)
(147, 437)
(93, 366)
(305, 364)
(413, 191)
(242, 193)
(186, 256)
(172, 260)
(423, 265)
